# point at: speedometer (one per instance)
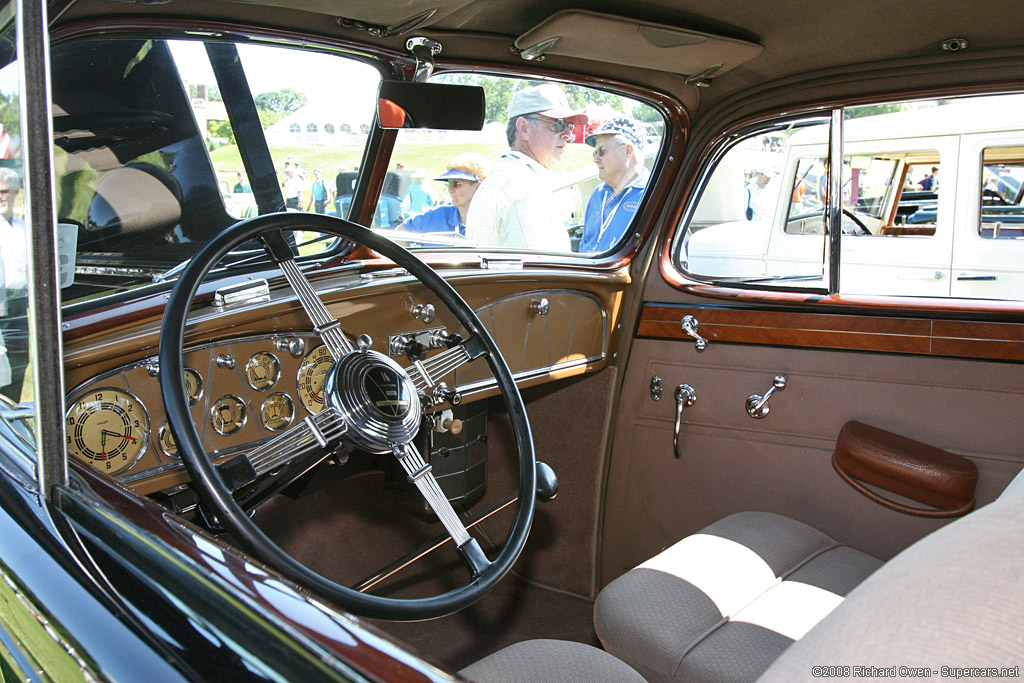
(311, 377)
(108, 429)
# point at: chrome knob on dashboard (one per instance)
(540, 306)
(364, 341)
(424, 312)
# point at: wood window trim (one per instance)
(838, 331)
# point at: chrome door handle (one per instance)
(685, 397)
(964, 277)
(757, 405)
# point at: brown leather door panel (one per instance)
(782, 463)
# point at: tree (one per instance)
(285, 101)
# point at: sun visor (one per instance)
(617, 40)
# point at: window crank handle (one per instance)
(685, 397)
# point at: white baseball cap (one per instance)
(547, 99)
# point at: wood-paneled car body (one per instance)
(277, 406)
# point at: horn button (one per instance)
(376, 398)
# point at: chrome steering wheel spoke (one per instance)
(324, 324)
(421, 475)
(427, 373)
(321, 431)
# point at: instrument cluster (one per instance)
(241, 392)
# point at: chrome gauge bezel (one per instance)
(271, 381)
(166, 430)
(241, 423)
(291, 408)
(144, 431)
(193, 399)
(299, 392)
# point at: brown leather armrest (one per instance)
(937, 478)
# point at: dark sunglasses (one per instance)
(559, 124)
(601, 151)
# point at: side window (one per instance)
(761, 214)
(557, 168)
(889, 194)
(15, 368)
(1002, 193)
(930, 195)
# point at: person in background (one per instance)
(754, 192)
(241, 185)
(515, 206)
(319, 194)
(619, 156)
(13, 246)
(292, 187)
(465, 173)
(420, 197)
(14, 276)
(930, 183)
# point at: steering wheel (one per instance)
(860, 224)
(371, 402)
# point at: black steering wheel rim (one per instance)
(218, 497)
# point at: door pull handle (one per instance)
(685, 397)
(757, 405)
(964, 277)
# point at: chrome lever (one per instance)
(690, 325)
(685, 397)
(757, 405)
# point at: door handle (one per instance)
(685, 397)
(937, 275)
(964, 277)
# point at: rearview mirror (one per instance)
(402, 104)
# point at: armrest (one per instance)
(866, 457)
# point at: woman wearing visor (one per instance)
(464, 174)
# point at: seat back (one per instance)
(953, 599)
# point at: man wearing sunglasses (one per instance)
(515, 206)
(619, 156)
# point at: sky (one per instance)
(327, 81)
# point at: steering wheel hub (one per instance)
(376, 398)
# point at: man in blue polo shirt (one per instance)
(619, 156)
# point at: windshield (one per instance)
(557, 168)
(149, 165)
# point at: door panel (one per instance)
(731, 462)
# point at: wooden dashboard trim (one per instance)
(887, 334)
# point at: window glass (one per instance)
(567, 176)
(301, 108)
(1002, 193)
(931, 203)
(148, 165)
(15, 364)
(761, 215)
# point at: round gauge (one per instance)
(167, 443)
(108, 428)
(227, 415)
(311, 377)
(277, 411)
(262, 371)
(193, 386)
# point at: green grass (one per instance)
(432, 158)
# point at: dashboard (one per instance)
(245, 389)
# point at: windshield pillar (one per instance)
(44, 319)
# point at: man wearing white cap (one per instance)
(515, 206)
(754, 190)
